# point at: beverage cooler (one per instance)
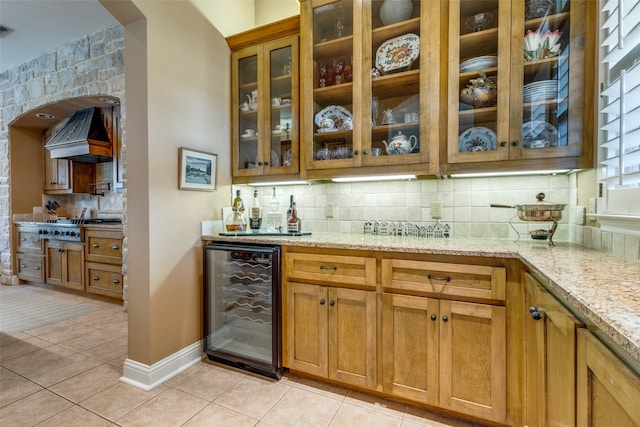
(242, 307)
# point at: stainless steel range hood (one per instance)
(83, 139)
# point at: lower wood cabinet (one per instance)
(65, 264)
(331, 332)
(30, 267)
(444, 353)
(549, 358)
(608, 392)
(104, 279)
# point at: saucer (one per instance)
(246, 135)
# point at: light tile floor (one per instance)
(67, 374)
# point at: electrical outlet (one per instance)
(436, 210)
(328, 210)
(592, 205)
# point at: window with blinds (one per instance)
(619, 154)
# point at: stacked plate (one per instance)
(479, 63)
(540, 91)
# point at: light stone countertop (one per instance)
(604, 288)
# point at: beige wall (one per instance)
(235, 16)
(177, 85)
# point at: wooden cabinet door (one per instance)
(73, 265)
(306, 324)
(410, 350)
(472, 359)
(608, 392)
(65, 264)
(352, 336)
(57, 174)
(54, 271)
(550, 359)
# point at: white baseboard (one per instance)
(147, 377)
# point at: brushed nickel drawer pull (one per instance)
(37, 267)
(23, 265)
(445, 279)
(322, 267)
(95, 245)
(115, 247)
(96, 278)
(115, 281)
(23, 239)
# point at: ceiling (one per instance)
(40, 26)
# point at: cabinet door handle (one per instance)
(434, 317)
(515, 143)
(96, 278)
(322, 267)
(321, 302)
(365, 152)
(266, 163)
(23, 239)
(503, 143)
(356, 152)
(115, 281)
(37, 268)
(444, 279)
(23, 265)
(259, 163)
(95, 245)
(115, 247)
(445, 319)
(536, 313)
(332, 303)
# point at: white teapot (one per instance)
(253, 99)
(400, 144)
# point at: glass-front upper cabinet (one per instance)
(331, 62)
(524, 85)
(371, 74)
(265, 109)
(478, 80)
(398, 81)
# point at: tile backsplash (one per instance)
(466, 204)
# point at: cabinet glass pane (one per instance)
(546, 75)
(333, 81)
(281, 123)
(478, 76)
(248, 116)
(395, 78)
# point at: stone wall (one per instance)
(92, 65)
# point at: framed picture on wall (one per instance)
(197, 170)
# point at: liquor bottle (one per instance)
(294, 225)
(255, 216)
(235, 221)
(290, 206)
(274, 216)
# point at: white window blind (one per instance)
(619, 154)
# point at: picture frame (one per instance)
(197, 170)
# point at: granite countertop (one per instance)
(604, 288)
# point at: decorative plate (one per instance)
(275, 159)
(539, 134)
(337, 113)
(398, 52)
(286, 159)
(477, 139)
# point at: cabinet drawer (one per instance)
(31, 267)
(437, 278)
(104, 279)
(29, 241)
(328, 269)
(103, 246)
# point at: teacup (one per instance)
(276, 102)
(249, 132)
(244, 107)
(375, 152)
